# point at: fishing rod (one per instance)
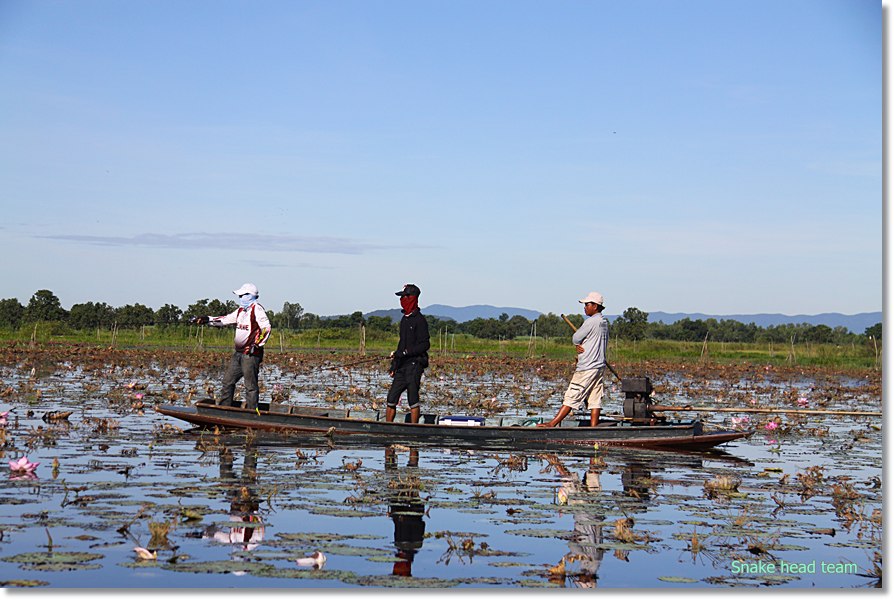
(610, 368)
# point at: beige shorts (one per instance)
(585, 385)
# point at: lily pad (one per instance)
(619, 546)
(538, 583)
(23, 583)
(542, 533)
(869, 544)
(310, 536)
(327, 574)
(675, 579)
(215, 566)
(792, 547)
(391, 581)
(52, 558)
(343, 512)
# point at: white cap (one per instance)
(594, 297)
(247, 288)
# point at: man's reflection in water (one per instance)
(248, 529)
(584, 549)
(406, 511)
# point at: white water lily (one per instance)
(315, 560)
(144, 554)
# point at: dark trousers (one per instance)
(241, 366)
(408, 377)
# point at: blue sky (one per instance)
(693, 156)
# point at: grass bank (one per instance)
(853, 356)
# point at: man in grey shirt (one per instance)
(588, 382)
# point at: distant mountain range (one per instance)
(462, 314)
(855, 323)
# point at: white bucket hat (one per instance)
(247, 288)
(594, 297)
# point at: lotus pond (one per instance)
(797, 504)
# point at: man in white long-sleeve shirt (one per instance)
(587, 383)
(252, 332)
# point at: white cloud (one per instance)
(230, 241)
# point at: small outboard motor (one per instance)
(637, 399)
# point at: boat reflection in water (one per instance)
(406, 510)
(247, 529)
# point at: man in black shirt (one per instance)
(411, 356)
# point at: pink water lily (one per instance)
(740, 421)
(771, 425)
(3, 418)
(23, 465)
(802, 401)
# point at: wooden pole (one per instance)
(610, 368)
(792, 411)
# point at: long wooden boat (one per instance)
(505, 432)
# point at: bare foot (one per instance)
(545, 425)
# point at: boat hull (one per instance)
(337, 424)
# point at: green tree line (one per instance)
(633, 324)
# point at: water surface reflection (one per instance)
(247, 529)
(406, 510)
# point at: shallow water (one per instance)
(240, 511)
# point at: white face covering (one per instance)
(245, 300)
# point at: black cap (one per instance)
(409, 290)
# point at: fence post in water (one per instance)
(704, 349)
(362, 340)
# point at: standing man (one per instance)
(252, 332)
(588, 382)
(411, 357)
